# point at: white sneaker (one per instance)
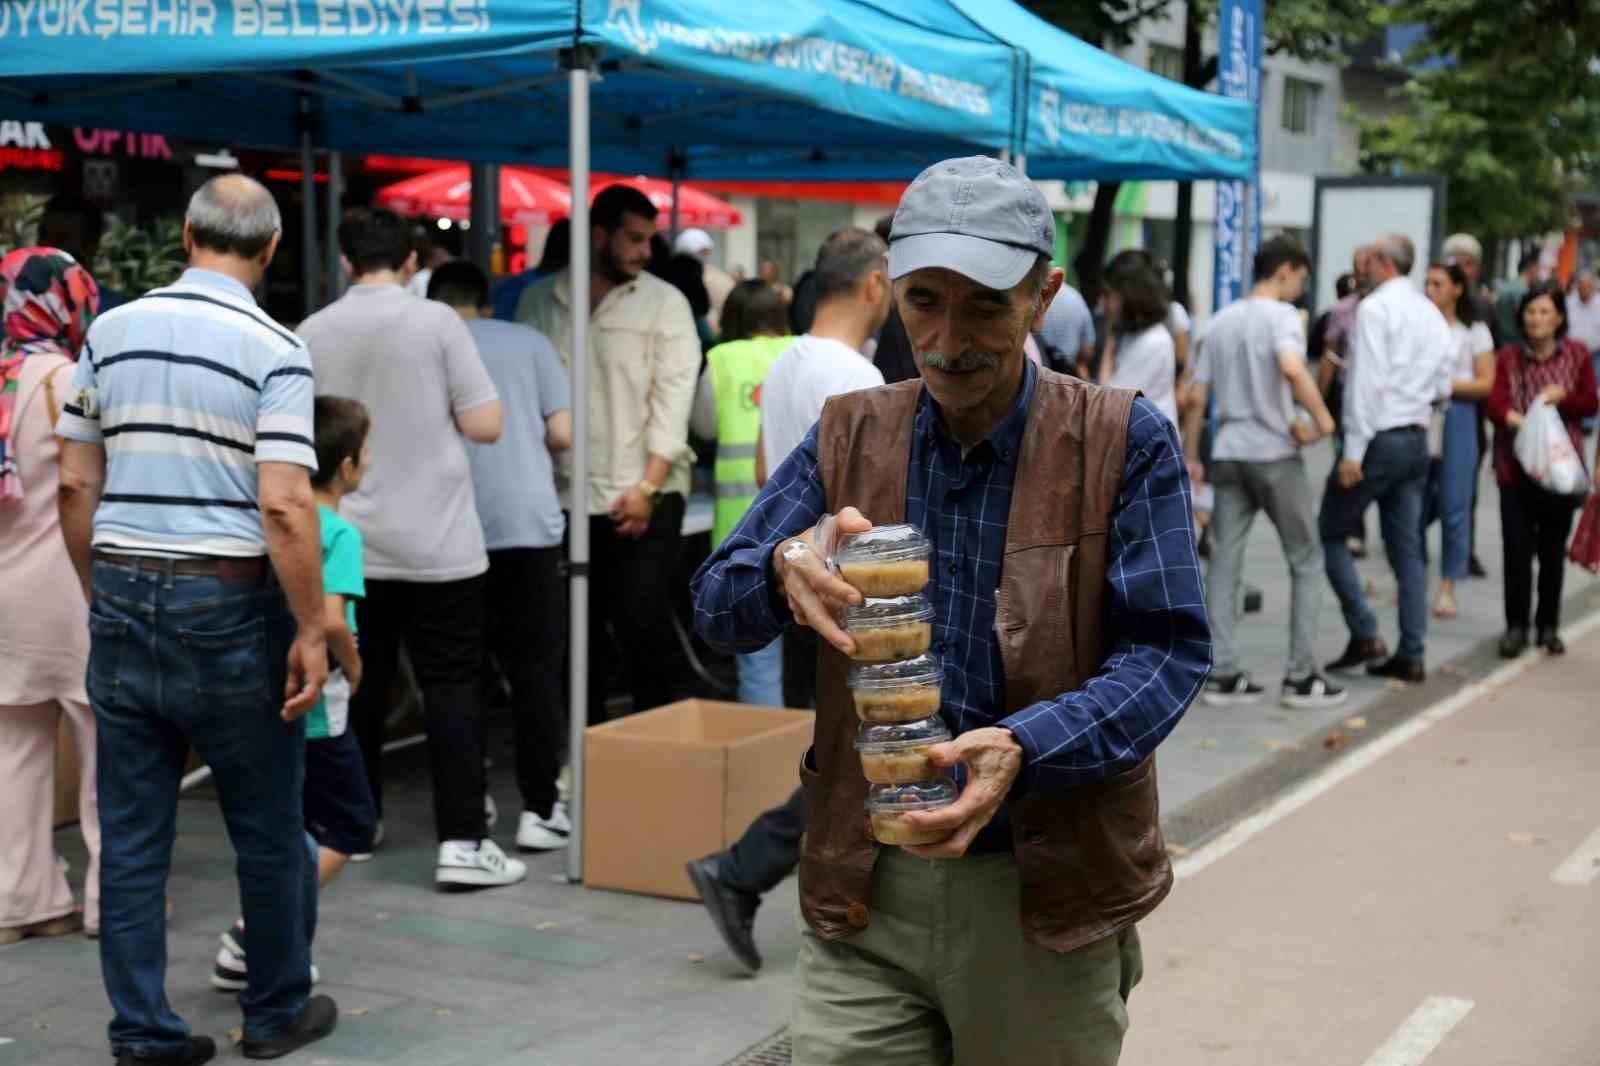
(480, 865)
(231, 974)
(544, 834)
(377, 839)
(564, 782)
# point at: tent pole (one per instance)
(1021, 163)
(333, 267)
(675, 169)
(310, 262)
(578, 166)
(485, 214)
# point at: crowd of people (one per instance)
(264, 526)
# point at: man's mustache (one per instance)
(969, 360)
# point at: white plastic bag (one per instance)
(1545, 451)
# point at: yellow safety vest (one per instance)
(737, 370)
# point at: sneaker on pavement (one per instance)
(1230, 690)
(732, 912)
(201, 1049)
(1359, 653)
(230, 973)
(1311, 692)
(543, 834)
(377, 839)
(317, 1019)
(463, 864)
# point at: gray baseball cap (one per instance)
(977, 216)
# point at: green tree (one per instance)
(1505, 104)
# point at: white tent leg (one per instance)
(578, 641)
(310, 262)
(334, 269)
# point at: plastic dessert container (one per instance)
(887, 806)
(897, 692)
(887, 561)
(898, 754)
(887, 630)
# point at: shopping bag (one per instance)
(1585, 550)
(1545, 451)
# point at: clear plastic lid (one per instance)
(922, 796)
(884, 544)
(907, 673)
(901, 736)
(889, 612)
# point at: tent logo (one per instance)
(1049, 110)
(624, 17)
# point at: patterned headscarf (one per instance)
(46, 304)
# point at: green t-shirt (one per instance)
(341, 576)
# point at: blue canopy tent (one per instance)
(805, 89)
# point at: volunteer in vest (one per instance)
(1071, 630)
(727, 409)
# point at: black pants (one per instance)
(1534, 522)
(527, 633)
(630, 592)
(441, 624)
(769, 850)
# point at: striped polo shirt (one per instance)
(189, 387)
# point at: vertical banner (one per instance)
(1238, 223)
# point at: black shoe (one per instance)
(1397, 669)
(316, 1021)
(1230, 690)
(1551, 641)
(1312, 692)
(1359, 653)
(733, 912)
(201, 1049)
(1514, 643)
(1475, 568)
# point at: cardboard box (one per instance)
(678, 782)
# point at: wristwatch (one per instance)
(648, 489)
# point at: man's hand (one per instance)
(1305, 434)
(631, 513)
(308, 669)
(1349, 474)
(816, 595)
(1553, 395)
(993, 759)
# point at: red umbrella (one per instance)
(695, 208)
(526, 198)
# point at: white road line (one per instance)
(1582, 866)
(1336, 772)
(1420, 1034)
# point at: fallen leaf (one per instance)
(1177, 851)
(1451, 670)
(1335, 741)
(236, 1035)
(545, 925)
(1460, 760)
(358, 1012)
(1524, 840)
(1357, 722)
(442, 1012)
(1208, 744)
(1282, 745)
(1394, 684)
(382, 916)
(41, 1025)
(695, 956)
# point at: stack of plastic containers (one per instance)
(895, 684)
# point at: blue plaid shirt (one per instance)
(1161, 647)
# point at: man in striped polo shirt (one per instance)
(186, 504)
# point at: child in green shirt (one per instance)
(340, 817)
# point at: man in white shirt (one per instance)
(1253, 358)
(853, 300)
(644, 357)
(1398, 353)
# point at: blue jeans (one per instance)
(181, 661)
(761, 676)
(1394, 473)
(1451, 479)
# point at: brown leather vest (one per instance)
(1091, 858)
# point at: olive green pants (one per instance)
(942, 975)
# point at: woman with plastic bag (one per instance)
(1545, 368)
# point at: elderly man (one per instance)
(1071, 630)
(186, 504)
(1400, 345)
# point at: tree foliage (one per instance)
(1505, 104)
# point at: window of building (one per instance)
(1166, 61)
(1300, 105)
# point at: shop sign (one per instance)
(133, 145)
(26, 146)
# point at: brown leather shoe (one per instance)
(1359, 653)
(1397, 669)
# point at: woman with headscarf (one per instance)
(46, 303)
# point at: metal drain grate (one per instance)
(773, 1051)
